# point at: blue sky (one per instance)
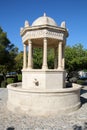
(13, 14)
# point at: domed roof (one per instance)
(44, 20)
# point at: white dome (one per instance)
(44, 20)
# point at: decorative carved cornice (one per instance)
(41, 34)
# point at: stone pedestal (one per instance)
(48, 79)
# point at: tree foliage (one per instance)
(7, 53)
(50, 58)
(75, 57)
(38, 58)
(19, 62)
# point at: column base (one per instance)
(60, 68)
(29, 67)
(44, 67)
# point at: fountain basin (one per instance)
(43, 101)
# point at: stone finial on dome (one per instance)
(21, 29)
(63, 24)
(26, 24)
(44, 14)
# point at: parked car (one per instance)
(82, 74)
(11, 74)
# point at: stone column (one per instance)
(32, 56)
(55, 57)
(29, 54)
(63, 57)
(44, 66)
(60, 56)
(25, 57)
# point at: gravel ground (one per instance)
(19, 121)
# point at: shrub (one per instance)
(82, 82)
(10, 80)
(15, 79)
(19, 77)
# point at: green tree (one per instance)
(7, 53)
(75, 57)
(37, 58)
(19, 62)
(50, 58)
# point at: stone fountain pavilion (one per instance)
(43, 91)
